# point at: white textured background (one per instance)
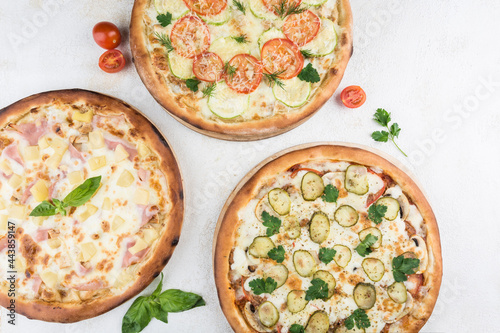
(434, 64)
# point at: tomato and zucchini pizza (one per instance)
(241, 69)
(327, 238)
(91, 204)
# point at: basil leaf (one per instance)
(158, 313)
(138, 316)
(82, 193)
(45, 208)
(157, 291)
(60, 206)
(175, 300)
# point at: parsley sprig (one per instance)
(326, 254)
(330, 194)
(296, 328)
(274, 79)
(164, 19)
(261, 286)
(309, 74)
(376, 213)
(358, 318)
(318, 289)
(165, 41)
(278, 254)
(364, 248)
(272, 223)
(401, 267)
(192, 84)
(383, 118)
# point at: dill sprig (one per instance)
(241, 39)
(229, 69)
(240, 6)
(165, 41)
(284, 9)
(209, 90)
(274, 79)
(307, 53)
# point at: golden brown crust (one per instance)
(249, 186)
(72, 312)
(243, 131)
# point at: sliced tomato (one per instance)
(112, 61)
(302, 28)
(353, 97)
(280, 55)
(246, 75)
(275, 6)
(208, 67)
(206, 7)
(190, 36)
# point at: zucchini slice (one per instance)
(180, 67)
(227, 47)
(175, 7)
(314, 2)
(259, 10)
(375, 232)
(397, 292)
(291, 225)
(364, 295)
(392, 207)
(260, 246)
(226, 103)
(319, 227)
(356, 180)
(278, 273)
(296, 301)
(346, 216)
(374, 268)
(343, 255)
(218, 19)
(268, 314)
(269, 34)
(304, 263)
(329, 279)
(293, 93)
(325, 41)
(279, 201)
(312, 186)
(318, 323)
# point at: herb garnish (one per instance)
(274, 79)
(278, 254)
(309, 74)
(164, 19)
(319, 289)
(330, 194)
(358, 317)
(192, 84)
(261, 286)
(326, 255)
(383, 118)
(239, 5)
(272, 223)
(165, 41)
(364, 248)
(402, 266)
(376, 213)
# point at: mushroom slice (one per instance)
(421, 252)
(404, 205)
(394, 317)
(252, 319)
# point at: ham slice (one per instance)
(91, 285)
(147, 213)
(41, 235)
(12, 152)
(75, 153)
(37, 282)
(31, 132)
(130, 258)
(51, 189)
(27, 193)
(143, 174)
(111, 144)
(3, 243)
(82, 270)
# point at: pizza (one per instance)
(327, 238)
(91, 205)
(241, 69)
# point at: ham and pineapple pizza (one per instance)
(241, 69)
(327, 238)
(91, 204)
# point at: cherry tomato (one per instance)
(112, 61)
(302, 28)
(206, 7)
(280, 55)
(353, 97)
(247, 75)
(208, 67)
(107, 35)
(273, 5)
(190, 36)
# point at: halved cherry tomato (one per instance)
(206, 7)
(208, 67)
(275, 5)
(247, 75)
(106, 35)
(190, 36)
(353, 97)
(302, 28)
(112, 61)
(280, 55)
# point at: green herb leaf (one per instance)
(239, 5)
(286, 8)
(330, 193)
(45, 208)
(60, 206)
(358, 317)
(241, 39)
(306, 53)
(82, 193)
(309, 74)
(296, 328)
(395, 130)
(376, 213)
(175, 300)
(318, 289)
(380, 136)
(401, 267)
(157, 312)
(274, 79)
(159, 287)
(382, 117)
(208, 91)
(326, 254)
(138, 316)
(165, 41)
(229, 70)
(364, 248)
(192, 84)
(164, 19)
(272, 223)
(261, 286)
(278, 254)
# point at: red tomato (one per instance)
(353, 97)
(281, 55)
(302, 28)
(247, 75)
(208, 67)
(112, 61)
(206, 7)
(106, 35)
(272, 5)
(190, 36)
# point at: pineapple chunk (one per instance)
(96, 140)
(3, 222)
(49, 278)
(5, 167)
(54, 160)
(15, 181)
(141, 196)
(120, 153)
(83, 116)
(17, 211)
(123, 279)
(117, 223)
(143, 150)
(40, 191)
(150, 235)
(91, 210)
(2, 204)
(54, 242)
(75, 177)
(38, 220)
(126, 179)
(97, 162)
(43, 142)
(139, 245)
(59, 145)
(88, 251)
(106, 204)
(19, 264)
(31, 153)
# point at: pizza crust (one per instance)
(146, 131)
(249, 186)
(242, 131)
